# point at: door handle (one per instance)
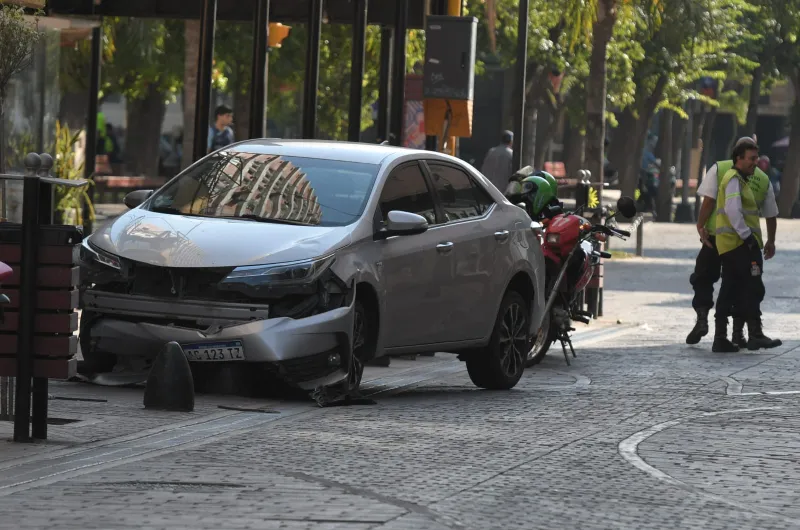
(501, 236)
(444, 248)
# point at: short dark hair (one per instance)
(222, 110)
(507, 137)
(741, 148)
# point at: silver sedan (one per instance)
(312, 258)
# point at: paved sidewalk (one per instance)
(642, 431)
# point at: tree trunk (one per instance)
(241, 113)
(790, 180)
(664, 207)
(190, 63)
(752, 107)
(544, 120)
(3, 138)
(72, 110)
(624, 134)
(708, 131)
(596, 89)
(145, 118)
(573, 152)
(631, 156)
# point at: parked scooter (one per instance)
(572, 248)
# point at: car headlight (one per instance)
(553, 238)
(91, 253)
(298, 272)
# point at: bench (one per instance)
(112, 189)
(56, 320)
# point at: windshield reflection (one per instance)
(270, 187)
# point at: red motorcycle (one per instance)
(572, 248)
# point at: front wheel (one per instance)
(541, 343)
(499, 366)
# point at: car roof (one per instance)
(331, 150)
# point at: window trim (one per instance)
(377, 215)
(437, 200)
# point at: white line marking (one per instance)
(628, 449)
(734, 388)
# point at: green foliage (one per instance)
(146, 53)
(287, 71)
(69, 201)
(17, 38)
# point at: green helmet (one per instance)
(540, 191)
(549, 178)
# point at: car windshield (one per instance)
(270, 188)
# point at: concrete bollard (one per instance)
(170, 385)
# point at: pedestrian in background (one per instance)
(221, 134)
(498, 165)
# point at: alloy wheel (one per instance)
(513, 340)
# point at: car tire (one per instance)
(541, 342)
(365, 340)
(94, 362)
(499, 366)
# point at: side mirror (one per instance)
(399, 223)
(135, 198)
(626, 206)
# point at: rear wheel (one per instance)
(499, 366)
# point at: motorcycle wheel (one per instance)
(541, 343)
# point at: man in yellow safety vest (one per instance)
(708, 263)
(740, 243)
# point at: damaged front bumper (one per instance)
(308, 352)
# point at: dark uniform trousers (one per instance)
(708, 270)
(741, 292)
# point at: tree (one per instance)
(17, 39)
(146, 68)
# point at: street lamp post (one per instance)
(684, 213)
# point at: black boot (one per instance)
(757, 338)
(700, 329)
(721, 342)
(738, 333)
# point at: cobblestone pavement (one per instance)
(642, 431)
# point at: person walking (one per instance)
(708, 263)
(498, 165)
(740, 243)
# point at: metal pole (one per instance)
(522, 65)
(357, 69)
(684, 213)
(90, 149)
(385, 83)
(40, 384)
(27, 297)
(399, 74)
(312, 69)
(259, 70)
(205, 64)
(640, 240)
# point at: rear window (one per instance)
(231, 184)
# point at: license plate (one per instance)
(215, 351)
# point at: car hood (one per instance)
(180, 241)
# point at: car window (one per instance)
(235, 184)
(406, 190)
(460, 196)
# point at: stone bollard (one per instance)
(170, 385)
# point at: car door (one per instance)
(480, 240)
(413, 268)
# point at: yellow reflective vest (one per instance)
(727, 237)
(758, 182)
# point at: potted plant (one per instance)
(69, 201)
